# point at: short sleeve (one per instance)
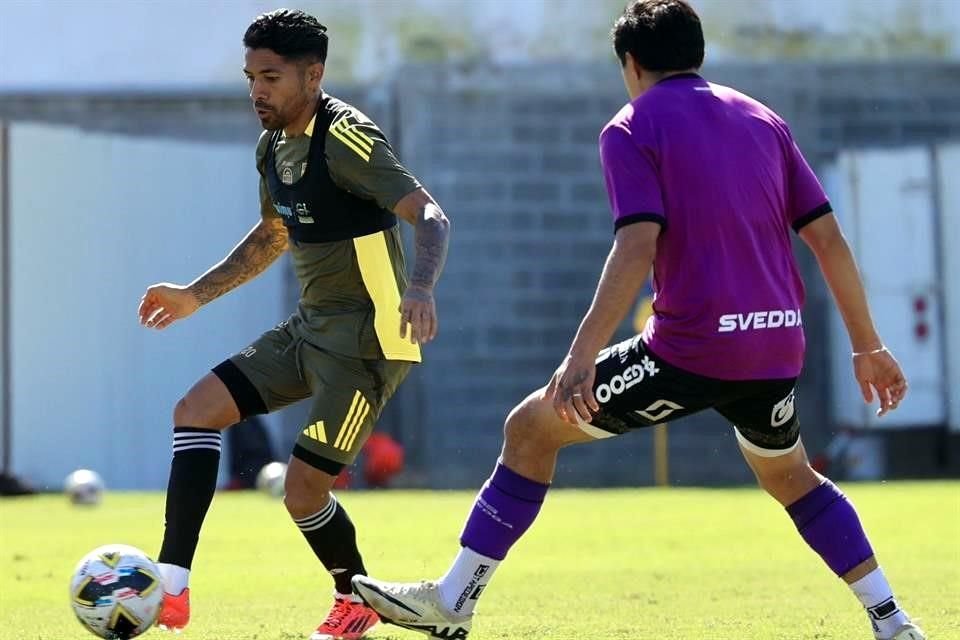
(267, 210)
(633, 183)
(361, 161)
(806, 199)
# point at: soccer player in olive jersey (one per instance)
(331, 190)
(706, 186)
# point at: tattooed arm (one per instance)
(164, 303)
(432, 229)
(264, 244)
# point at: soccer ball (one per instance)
(84, 486)
(116, 592)
(271, 478)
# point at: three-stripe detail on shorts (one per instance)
(359, 409)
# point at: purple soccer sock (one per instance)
(829, 524)
(505, 508)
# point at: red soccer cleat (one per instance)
(348, 620)
(175, 611)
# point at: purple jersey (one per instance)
(722, 175)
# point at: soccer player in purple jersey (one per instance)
(706, 185)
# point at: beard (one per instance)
(273, 118)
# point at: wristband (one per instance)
(869, 353)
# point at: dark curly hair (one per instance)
(661, 35)
(293, 34)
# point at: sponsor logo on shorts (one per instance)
(663, 408)
(473, 588)
(626, 379)
(316, 431)
(774, 319)
(782, 411)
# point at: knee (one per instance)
(789, 483)
(302, 497)
(522, 432)
(188, 412)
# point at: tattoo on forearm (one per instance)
(252, 256)
(430, 238)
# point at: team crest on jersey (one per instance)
(286, 175)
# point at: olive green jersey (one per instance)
(350, 288)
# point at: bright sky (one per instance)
(190, 44)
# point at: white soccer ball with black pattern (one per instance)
(116, 592)
(84, 486)
(271, 478)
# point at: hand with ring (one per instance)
(571, 389)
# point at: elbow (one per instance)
(433, 215)
(827, 245)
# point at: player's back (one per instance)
(728, 292)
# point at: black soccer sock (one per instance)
(193, 479)
(333, 538)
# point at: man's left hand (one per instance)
(571, 389)
(418, 315)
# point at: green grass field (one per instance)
(622, 564)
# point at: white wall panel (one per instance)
(884, 200)
(948, 168)
(95, 220)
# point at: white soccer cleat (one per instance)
(413, 605)
(909, 631)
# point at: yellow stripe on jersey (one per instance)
(310, 126)
(357, 135)
(348, 421)
(353, 138)
(376, 269)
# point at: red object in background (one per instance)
(921, 330)
(383, 459)
(919, 305)
(343, 480)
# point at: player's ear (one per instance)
(315, 74)
(631, 68)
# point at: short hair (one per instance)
(292, 34)
(661, 35)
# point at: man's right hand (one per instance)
(163, 303)
(878, 371)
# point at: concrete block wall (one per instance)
(510, 153)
